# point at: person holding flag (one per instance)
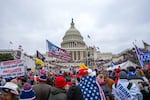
(89, 86)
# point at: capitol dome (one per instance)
(72, 38)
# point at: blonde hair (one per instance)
(141, 73)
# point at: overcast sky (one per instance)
(112, 24)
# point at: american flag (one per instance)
(91, 89)
(55, 51)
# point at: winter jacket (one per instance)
(57, 94)
(42, 91)
(74, 93)
(121, 92)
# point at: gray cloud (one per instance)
(113, 25)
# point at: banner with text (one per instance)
(12, 68)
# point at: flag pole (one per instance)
(46, 48)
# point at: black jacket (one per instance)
(74, 93)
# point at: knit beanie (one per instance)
(27, 93)
(118, 70)
(60, 82)
(123, 75)
(43, 77)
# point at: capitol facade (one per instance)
(73, 42)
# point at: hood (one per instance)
(55, 90)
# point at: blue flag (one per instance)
(143, 57)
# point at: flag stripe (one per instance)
(55, 51)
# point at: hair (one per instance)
(131, 69)
(65, 74)
(141, 73)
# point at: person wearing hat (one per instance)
(58, 92)
(89, 86)
(124, 90)
(117, 70)
(27, 93)
(9, 91)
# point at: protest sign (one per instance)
(12, 68)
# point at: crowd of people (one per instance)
(82, 84)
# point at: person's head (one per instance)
(43, 78)
(14, 81)
(105, 73)
(60, 82)
(118, 69)
(131, 69)
(65, 74)
(73, 80)
(100, 78)
(141, 73)
(68, 85)
(83, 72)
(9, 91)
(7, 95)
(123, 75)
(27, 92)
